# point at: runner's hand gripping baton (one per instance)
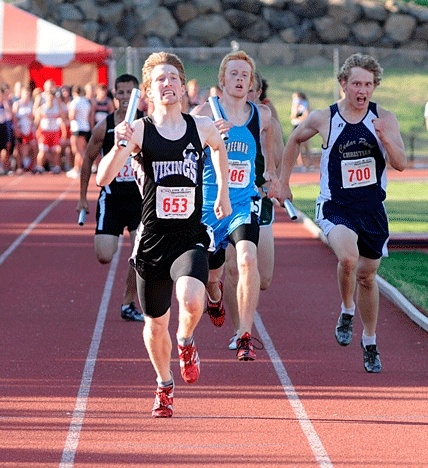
(215, 109)
(131, 110)
(290, 209)
(82, 217)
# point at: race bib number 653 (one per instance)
(358, 173)
(175, 202)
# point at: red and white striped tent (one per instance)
(32, 49)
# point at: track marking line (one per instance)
(76, 424)
(314, 441)
(32, 226)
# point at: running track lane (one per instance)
(77, 386)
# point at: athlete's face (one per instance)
(359, 87)
(123, 94)
(166, 86)
(253, 94)
(237, 78)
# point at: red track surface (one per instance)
(77, 386)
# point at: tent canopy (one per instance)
(46, 49)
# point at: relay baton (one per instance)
(82, 217)
(290, 209)
(215, 108)
(131, 110)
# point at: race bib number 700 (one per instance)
(358, 173)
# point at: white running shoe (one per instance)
(233, 345)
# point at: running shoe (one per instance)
(245, 347)
(371, 358)
(189, 363)
(38, 170)
(216, 309)
(233, 342)
(131, 314)
(163, 405)
(344, 326)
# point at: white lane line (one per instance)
(315, 443)
(33, 225)
(76, 424)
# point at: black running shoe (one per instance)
(343, 331)
(371, 359)
(131, 314)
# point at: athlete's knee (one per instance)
(366, 279)
(192, 299)
(154, 327)
(247, 260)
(103, 258)
(348, 263)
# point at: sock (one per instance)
(211, 300)
(350, 311)
(125, 306)
(368, 340)
(184, 341)
(167, 383)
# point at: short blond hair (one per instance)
(159, 58)
(238, 55)
(366, 62)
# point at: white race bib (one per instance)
(358, 173)
(126, 174)
(239, 173)
(175, 202)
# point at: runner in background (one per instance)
(119, 202)
(265, 248)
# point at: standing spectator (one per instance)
(24, 131)
(299, 112)
(49, 86)
(90, 96)
(64, 97)
(243, 121)
(193, 94)
(79, 113)
(359, 137)
(172, 242)
(119, 203)
(6, 129)
(49, 120)
(266, 101)
(104, 105)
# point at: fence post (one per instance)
(412, 140)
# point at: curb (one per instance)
(389, 291)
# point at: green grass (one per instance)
(408, 272)
(406, 205)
